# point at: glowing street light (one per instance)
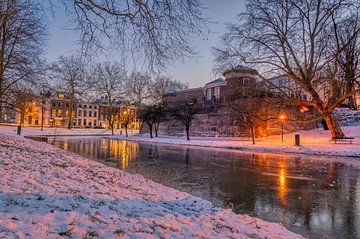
(282, 118)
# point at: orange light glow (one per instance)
(282, 117)
(282, 183)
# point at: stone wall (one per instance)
(223, 123)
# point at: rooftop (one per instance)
(219, 80)
(241, 68)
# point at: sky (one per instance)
(195, 72)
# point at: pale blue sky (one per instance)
(195, 72)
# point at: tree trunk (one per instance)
(156, 130)
(112, 129)
(150, 129)
(42, 115)
(252, 132)
(333, 126)
(126, 131)
(351, 99)
(187, 133)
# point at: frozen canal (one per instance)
(316, 198)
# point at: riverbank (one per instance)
(50, 132)
(46, 192)
(313, 142)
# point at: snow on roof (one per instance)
(241, 68)
(219, 80)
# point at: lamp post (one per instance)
(282, 118)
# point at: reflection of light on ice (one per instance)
(124, 155)
(282, 182)
(66, 146)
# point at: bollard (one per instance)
(297, 139)
(19, 130)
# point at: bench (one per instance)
(343, 139)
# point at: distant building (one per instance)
(239, 82)
(284, 86)
(59, 108)
(87, 114)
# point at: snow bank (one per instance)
(61, 131)
(313, 142)
(46, 192)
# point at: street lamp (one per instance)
(282, 118)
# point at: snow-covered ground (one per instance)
(313, 142)
(46, 192)
(62, 131)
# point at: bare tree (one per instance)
(20, 99)
(159, 31)
(147, 116)
(296, 38)
(138, 88)
(70, 78)
(22, 34)
(160, 111)
(110, 83)
(152, 116)
(349, 58)
(185, 112)
(125, 120)
(161, 84)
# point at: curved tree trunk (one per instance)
(333, 126)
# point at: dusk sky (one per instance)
(195, 72)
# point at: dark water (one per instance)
(316, 198)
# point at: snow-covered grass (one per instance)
(46, 192)
(313, 142)
(25, 131)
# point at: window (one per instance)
(84, 113)
(80, 112)
(208, 94)
(59, 104)
(67, 105)
(217, 92)
(59, 113)
(79, 122)
(95, 107)
(90, 113)
(80, 106)
(94, 122)
(245, 81)
(53, 104)
(94, 113)
(73, 114)
(84, 122)
(67, 113)
(90, 106)
(61, 95)
(53, 113)
(85, 106)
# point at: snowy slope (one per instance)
(46, 192)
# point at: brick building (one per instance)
(217, 99)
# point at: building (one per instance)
(60, 110)
(239, 82)
(87, 115)
(284, 86)
(35, 113)
(240, 89)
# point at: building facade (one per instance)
(87, 115)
